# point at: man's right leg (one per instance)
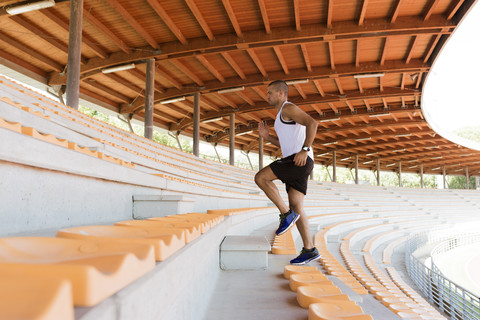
(264, 180)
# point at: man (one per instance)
(296, 131)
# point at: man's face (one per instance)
(273, 95)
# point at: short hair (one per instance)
(280, 85)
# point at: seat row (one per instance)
(323, 299)
(82, 266)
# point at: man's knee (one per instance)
(259, 179)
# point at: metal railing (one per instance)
(455, 301)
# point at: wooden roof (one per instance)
(209, 45)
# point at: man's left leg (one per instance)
(309, 252)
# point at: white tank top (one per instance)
(291, 135)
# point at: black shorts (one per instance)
(292, 175)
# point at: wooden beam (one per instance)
(90, 18)
(232, 17)
(392, 67)
(454, 8)
(55, 17)
(306, 57)
(110, 91)
(203, 60)
(412, 49)
(330, 53)
(266, 21)
(319, 87)
(339, 85)
(126, 83)
(31, 52)
(281, 59)
(300, 90)
(233, 64)
(200, 19)
(133, 22)
(384, 51)
(357, 54)
(431, 47)
(362, 13)
(257, 62)
(187, 71)
(258, 39)
(10, 59)
(430, 8)
(296, 10)
(396, 11)
(167, 76)
(167, 20)
(42, 34)
(329, 13)
(360, 87)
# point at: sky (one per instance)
(451, 91)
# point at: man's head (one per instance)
(277, 92)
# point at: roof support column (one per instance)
(196, 124)
(232, 139)
(149, 93)
(378, 171)
(260, 152)
(334, 166)
(444, 177)
(477, 182)
(400, 174)
(422, 185)
(467, 184)
(356, 169)
(74, 53)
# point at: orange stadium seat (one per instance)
(96, 270)
(165, 242)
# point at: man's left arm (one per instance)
(299, 116)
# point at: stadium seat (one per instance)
(96, 270)
(189, 231)
(164, 242)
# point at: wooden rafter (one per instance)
(266, 21)
(90, 18)
(412, 49)
(232, 17)
(396, 11)
(54, 16)
(187, 71)
(357, 54)
(200, 19)
(384, 51)
(319, 87)
(167, 20)
(329, 13)
(362, 13)
(296, 10)
(429, 11)
(203, 60)
(133, 22)
(159, 71)
(454, 8)
(257, 62)
(306, 57)
(281, 59)
(31, 52)
(233, 64)
(331, 56)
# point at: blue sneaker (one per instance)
(306, 256)
(287, 220)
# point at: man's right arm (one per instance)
(263, 130)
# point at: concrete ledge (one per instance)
(244, 253)
(148, 206)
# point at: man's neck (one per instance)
(279, 105)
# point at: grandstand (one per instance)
(100, 223)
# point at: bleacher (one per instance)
(110, 225)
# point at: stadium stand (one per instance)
(109, 265)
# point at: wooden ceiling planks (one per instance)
(205, 46)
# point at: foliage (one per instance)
(470, 133)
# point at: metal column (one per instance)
(444, 178)
(378, 171)
(196, 124)
(260, 152)
(467, 178)
(356, 169)
(232, 139)
(422, 185)
(74, 53)
(400, 174)
(334, 165)
(149, 92)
